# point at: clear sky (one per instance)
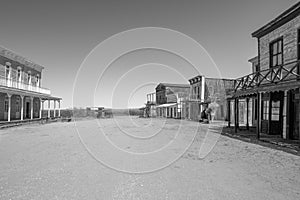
(60, 34)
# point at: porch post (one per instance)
(49, 109)
(228, 112)
(58, 108)
(9, 107)
(284, 115)
(190, 110)
(258, 116)
(22, 107)
(54, 108)
(247, 107)
(41, 108)
(31, 107)
(236, 113)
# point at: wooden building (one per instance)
(169, 98)
(21, 95)
(208, 92)
(150, 108)
(268, 98)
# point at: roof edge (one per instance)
(284, 17)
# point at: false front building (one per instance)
(208, 92)
(21, 95)
(169, 99)
(268, 98)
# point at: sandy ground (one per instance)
(92, 159)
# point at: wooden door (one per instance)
(276, 108)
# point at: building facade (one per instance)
(208, 92)
(150, 108)
(21, 94)
(268, 98)
(169, 99)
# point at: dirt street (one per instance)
(140, 158)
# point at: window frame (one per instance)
(275, 110)
(272, 55)
(265, 109)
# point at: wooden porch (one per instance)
(268, 101)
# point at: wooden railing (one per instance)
(7, 82)
(279, 74)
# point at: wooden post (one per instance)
(22, 107)
(31, 107)
(49, 109)
(258, 116)
(54, 108)
(284, 115)
(247, 114)
(228, 112)
(58, 108)
(9, 107)
(236, 114)
(41, 106)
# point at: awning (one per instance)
(267, 88)
(166, 105)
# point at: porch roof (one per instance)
(267, 88)
(166, 105)
(15, 91)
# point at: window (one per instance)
(265, 110)
(37, 80)
(29, 78)
(275, 110)
(257, 68)
(276, 53)
(7, 70)
(19, 74)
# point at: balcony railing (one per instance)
(21, 85)
(283, 73)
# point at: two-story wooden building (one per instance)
(208, 92)
(169, 99)
(21, 95)
(268, 99)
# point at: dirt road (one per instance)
(92, 159)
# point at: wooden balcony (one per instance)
(274, 76)
(10, 83)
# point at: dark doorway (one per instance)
(294, 114)
(27, 112)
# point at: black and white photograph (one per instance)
(150, 100)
